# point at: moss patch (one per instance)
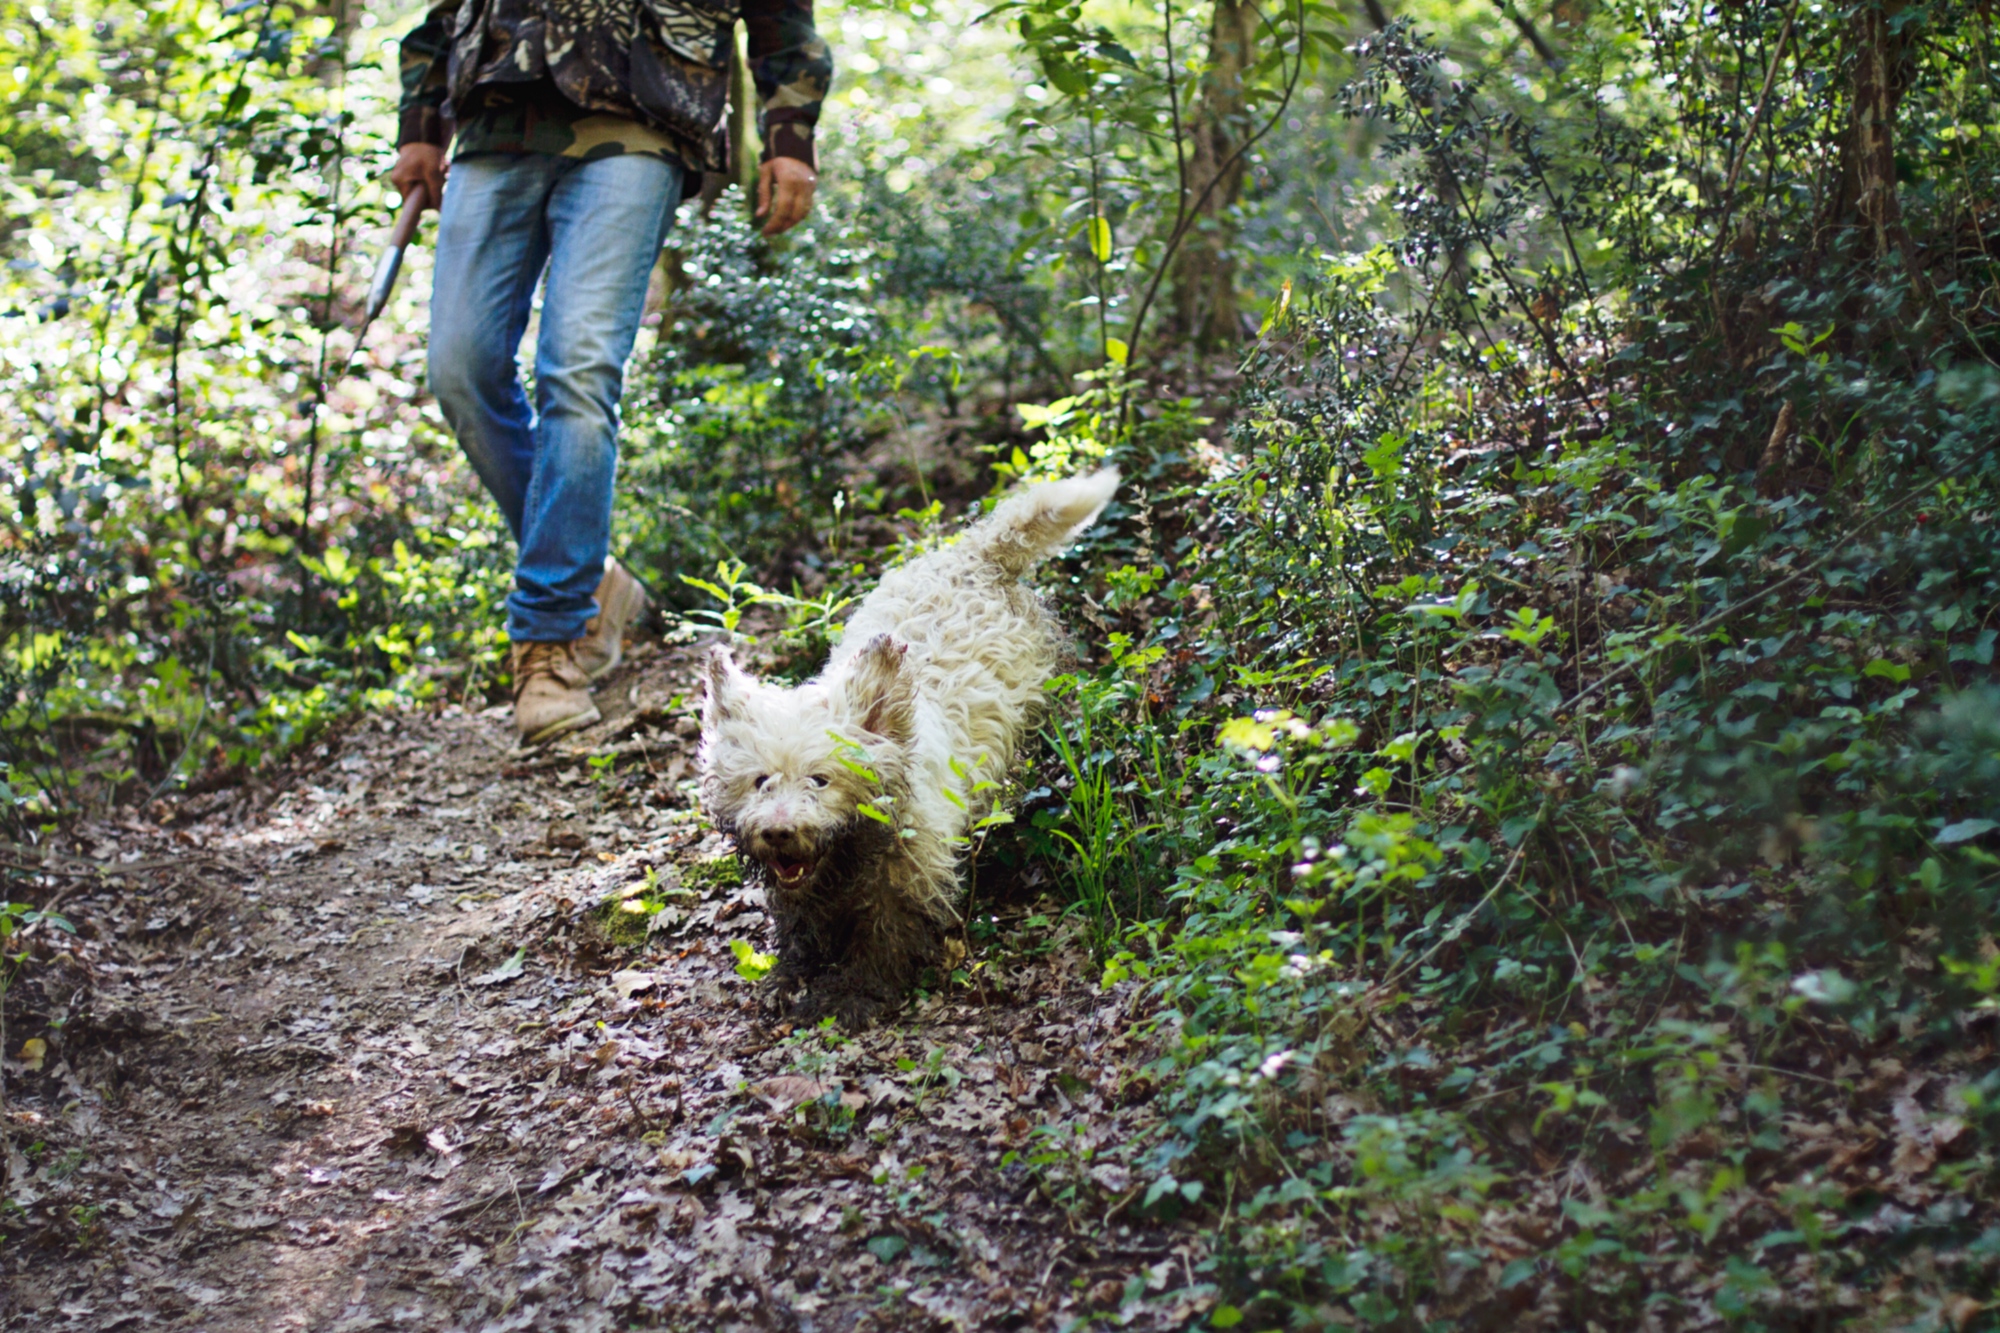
(718, 872)
(627, 914)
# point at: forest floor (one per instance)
(360, 1048)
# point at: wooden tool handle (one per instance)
(414, 203)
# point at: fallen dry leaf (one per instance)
(632, 982)
(788, 1090)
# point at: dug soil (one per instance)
(431, 1032)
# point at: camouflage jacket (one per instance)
(588, 78)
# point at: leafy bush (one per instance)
(1593, 618)
(1537, 761)
(768, 370)
(218, 540)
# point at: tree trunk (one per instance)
(1879, 75)
(1205, 309)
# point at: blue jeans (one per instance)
(597, 226)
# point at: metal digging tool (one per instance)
(391, 263)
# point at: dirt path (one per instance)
(365, 1056)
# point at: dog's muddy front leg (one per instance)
(814, 945)
(775, 991)
(802, 959)
(890, 947)
(848, 998)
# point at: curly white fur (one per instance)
(853, 792)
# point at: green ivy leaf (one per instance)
(751, 965)
(887, 1248)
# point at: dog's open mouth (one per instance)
(788, 872)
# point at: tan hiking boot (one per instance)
(551, 693)
(621, 599)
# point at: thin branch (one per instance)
(1481, 233)
(1184, 216)
(190, 257)
(339, 172)
(1097, 216)
(1527, 29)
(1174, 104)
(136, 199)
(1750, 134)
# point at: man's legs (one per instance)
(493, 239)
(599, 226)
(606, 220)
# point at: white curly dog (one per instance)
(851, 795)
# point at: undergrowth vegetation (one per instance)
(1593, 602)
(216, 540)
(1533, 764)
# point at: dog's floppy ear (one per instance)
(727, 689)
(879, 693)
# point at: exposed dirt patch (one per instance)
(443, 1035)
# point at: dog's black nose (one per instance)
(781, 844)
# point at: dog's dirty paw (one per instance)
(774, 993)
(854, 1008)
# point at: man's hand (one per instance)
(420, 164)
(785, 193)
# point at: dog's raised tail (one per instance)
(1032, 525)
